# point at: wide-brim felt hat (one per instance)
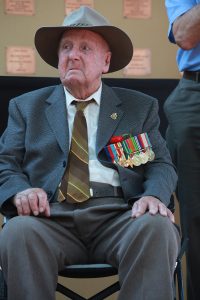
(47, 38)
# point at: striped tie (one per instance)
(75, 183)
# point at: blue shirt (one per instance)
(186, 59)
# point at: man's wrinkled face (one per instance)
(83, 57)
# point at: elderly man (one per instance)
(85, 172)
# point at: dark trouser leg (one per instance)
(145, 251)
(32, 250)
(183, 138)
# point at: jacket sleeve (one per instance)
(12, 149)
(159, 175)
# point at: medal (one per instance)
(143, 157)
(147, 143)
(136, 160)
(128, 151)
(151, 154)
(122, 162)
(130, 162)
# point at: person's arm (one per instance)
(186, 28)
(159, 175)
(16, 192)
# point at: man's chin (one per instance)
(72, 81)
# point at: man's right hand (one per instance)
(32, 201)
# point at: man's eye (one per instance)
(66, 46)
(85, 48)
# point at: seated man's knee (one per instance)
(17, 229)
(158, 227)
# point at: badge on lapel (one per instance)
(129, 151)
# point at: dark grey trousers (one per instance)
(183, 137)
(34, 249)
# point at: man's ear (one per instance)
(107, 62)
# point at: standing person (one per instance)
(119, 213)
(183, 136)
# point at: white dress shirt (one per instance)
(97, 171)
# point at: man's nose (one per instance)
(74, 53)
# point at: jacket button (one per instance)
(64, 164)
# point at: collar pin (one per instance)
(114, 116)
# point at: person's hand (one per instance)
(32, 201)
(153, 206)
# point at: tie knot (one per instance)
(81, 105)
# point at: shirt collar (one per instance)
(96, 96)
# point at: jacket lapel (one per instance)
(56, 114)
(109, 117)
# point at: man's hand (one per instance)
(153, 206)
(32, 201)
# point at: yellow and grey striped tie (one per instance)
(75, 183)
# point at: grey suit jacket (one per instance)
(34, 148)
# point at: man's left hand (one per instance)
(153, 206)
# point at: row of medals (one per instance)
(136, 159)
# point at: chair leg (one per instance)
(99, 296)
(68, 293)
(179, 280)
(178, 272)
(106, 292)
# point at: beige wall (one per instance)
(150, 33)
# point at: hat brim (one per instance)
(47, 41)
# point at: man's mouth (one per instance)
(74, 69)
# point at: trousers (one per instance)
(33, 249)
(182, 109)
